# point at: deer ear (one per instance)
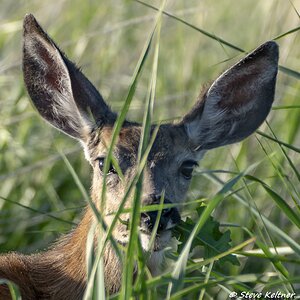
(58, 89)
(237, 102)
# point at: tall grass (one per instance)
(251, 189)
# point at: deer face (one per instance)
(168, 171)
(232, 108)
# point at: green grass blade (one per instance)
(38, 211)
(83, 190)
(121, 117)
(13, 289)
(289, 72)
(280, 202)
(275, 229)
(99, 287)
(278, 169)
(285, 154)
(292, 216)
(283, 69)
(210, 35)
(144, 143)
(280, 107)
(286, 33)
(278, 141)
(135, 214)
(294, 8)
(207, 276)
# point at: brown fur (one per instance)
(60, 272)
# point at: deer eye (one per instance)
(187, 168)
(101, 161)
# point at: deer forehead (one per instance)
(170, 144)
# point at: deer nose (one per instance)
(169, 216)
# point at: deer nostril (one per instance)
(169, 216)
(145, 218)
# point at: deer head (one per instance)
(232, 108)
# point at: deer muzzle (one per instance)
(169, 217)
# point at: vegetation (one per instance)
(251, 242)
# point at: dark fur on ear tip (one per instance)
(32, 29)
(269, 50)
(30, 24)
(269, 46)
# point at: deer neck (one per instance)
(60, 272)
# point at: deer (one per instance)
(230, 109)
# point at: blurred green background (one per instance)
(105, 38)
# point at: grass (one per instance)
(41, 195)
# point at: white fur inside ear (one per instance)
(86, 151)
(63, 105)
(203, 129)
(49, 86)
